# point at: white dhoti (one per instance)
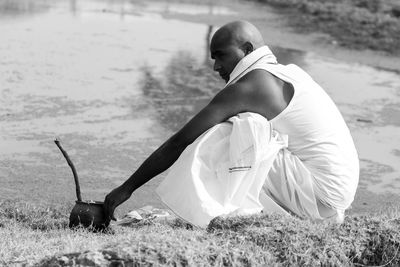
(291, 184)
(223, 173)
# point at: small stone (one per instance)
(63, 260)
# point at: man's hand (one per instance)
(115, 198)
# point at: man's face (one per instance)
(226, 56)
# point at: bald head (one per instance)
(231, 43)
(239, 33)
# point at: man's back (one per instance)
(317, 133)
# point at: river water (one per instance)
(114, 79)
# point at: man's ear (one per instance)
(247, 48)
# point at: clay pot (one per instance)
(88, 214)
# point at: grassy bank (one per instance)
(358, 24)
(36, 235)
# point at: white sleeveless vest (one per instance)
(317, 132)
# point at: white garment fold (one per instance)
(263, 53)
(223, 171)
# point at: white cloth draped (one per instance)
(263, 53)
(223, 171)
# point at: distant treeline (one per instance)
(359, 24)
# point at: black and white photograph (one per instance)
(199, 132)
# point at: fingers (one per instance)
(109, 216)
(112, 201)
(108, 210)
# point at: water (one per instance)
(114, 79)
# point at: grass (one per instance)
(358, 24)
(37, 235)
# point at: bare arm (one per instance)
(242, 96)
(227, 103)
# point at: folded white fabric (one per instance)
(263, 53)
(145, 213)
(223, 171)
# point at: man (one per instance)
(314, 175)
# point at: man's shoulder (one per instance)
(257, 77)
(260, 90)
(262, 83)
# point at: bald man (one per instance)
(314, 175)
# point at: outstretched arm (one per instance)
(227, 103)
(234, 99)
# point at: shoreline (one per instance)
(274, 24)
(346, 30)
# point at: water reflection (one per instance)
(209, 7)
(290, 56)
(12, 8)
(73, 7)
(187, 86)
